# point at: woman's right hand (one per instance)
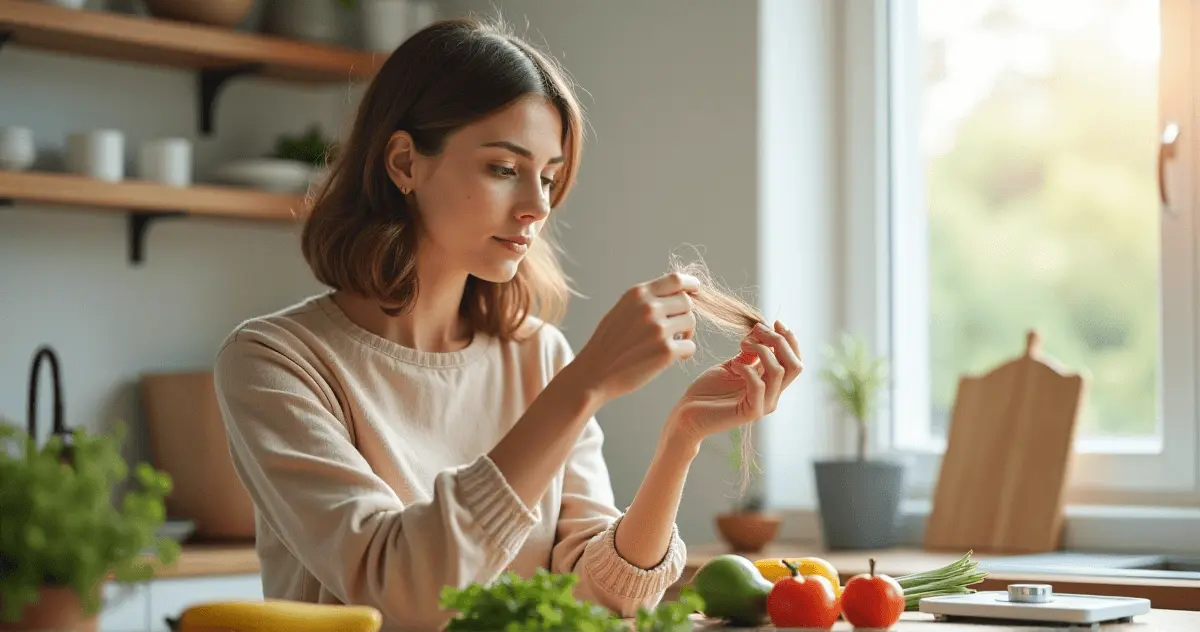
(650, 327)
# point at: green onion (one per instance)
(951, 579)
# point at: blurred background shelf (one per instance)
(147, 197)
(146, 202)
(163, 42)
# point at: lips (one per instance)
(518, 244)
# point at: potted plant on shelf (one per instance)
(62, 537)
(748, 527)
(859, 498)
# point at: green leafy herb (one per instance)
(671, 616)
(544, 603)
(61, 526)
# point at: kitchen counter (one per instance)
(207, 560)
(1154, 621)
(1173, 594)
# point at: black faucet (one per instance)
(60, 430)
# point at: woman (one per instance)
(424, 423)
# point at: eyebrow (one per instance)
(518, 150)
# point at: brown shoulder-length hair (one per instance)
(361, 233)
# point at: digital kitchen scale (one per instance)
(1036, 603)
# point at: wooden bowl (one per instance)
(748, 532)
(225, 13)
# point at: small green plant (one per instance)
(856, 378)
(60, 526)
(311, 147)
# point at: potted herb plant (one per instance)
(747, 527)
(62, 536)
(859, 498)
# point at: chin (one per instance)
(498, 272)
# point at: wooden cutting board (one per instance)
(1003, 475)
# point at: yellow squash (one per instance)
(278, 616)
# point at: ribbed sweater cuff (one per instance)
(617, 576)
(501, 515)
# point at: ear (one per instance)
(399, 158)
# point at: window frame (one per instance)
(885, 248)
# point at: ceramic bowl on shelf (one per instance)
(272, 174)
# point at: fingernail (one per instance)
(761, 327)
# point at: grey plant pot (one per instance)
(859, 502)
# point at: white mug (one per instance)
(98, 154)
(167, 161)
(17, 152)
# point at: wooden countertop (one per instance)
(1162, 593)
(201, 560)
(1175, 602)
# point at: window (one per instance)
(1024, 193)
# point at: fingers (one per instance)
(772, 373)
(751, 407)
(791, 340)
(681, 327)
(683, 348)
(675, 304)
(786, 351)
(673, 283)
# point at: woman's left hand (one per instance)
(742, 389)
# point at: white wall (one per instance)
(64, 275)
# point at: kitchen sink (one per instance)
(1140, 565)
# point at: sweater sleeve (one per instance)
(297, 459)
(586, 543)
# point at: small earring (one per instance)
(405, 190)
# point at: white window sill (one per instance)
(1093, 528)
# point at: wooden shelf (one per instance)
(134, 196)
(179, 44)
(147, 201)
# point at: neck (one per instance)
(432, 322)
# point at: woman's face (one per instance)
(484, 199)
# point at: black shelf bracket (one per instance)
(211, 81)
(139, 223)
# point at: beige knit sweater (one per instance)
(366, 461)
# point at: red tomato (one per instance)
(872, 601)
(803, 602)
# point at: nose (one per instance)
(534, 205)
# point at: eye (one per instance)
(504, 171)
(550, 183)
